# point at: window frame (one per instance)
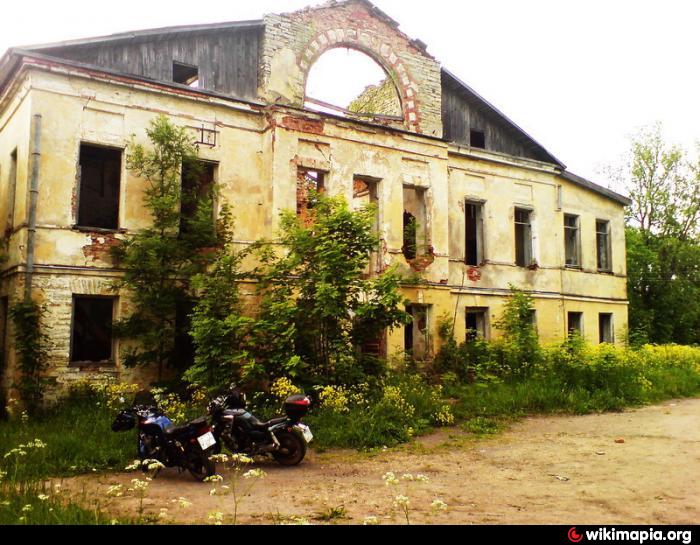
(112, 360)
(577, 243)
(480, 232)
(483, 333)
(79, 225)
(610, 327)
(608, 245)
(581, 320)
(528, 240)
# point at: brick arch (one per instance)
(383, 54)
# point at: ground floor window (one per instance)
(91, 339)
(417, 333)
(575, 323)
(477, 319)
(605, 327)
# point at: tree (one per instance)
(663, 241)
(519, 349)
(317, 306)
(160, 261)
(219, 328)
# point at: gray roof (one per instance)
(170, 32)
(578, 180)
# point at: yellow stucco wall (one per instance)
(258, 152)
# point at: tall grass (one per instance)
(78, 439)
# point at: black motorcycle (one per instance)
(186, 447)
(286, 439)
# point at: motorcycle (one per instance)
(286, 439)
(187, 447)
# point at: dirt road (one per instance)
(558, 470)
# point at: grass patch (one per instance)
(40, 504)
(78, 439)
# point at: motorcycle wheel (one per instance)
(201, 465)
(292, 449)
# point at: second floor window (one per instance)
(474, 247)
(572, 241)
(523, 238)
(197, 198)
(99, 186)
(603, 246)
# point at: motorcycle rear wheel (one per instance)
(201, 465)
(292, 449)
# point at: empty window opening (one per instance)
(92, 330)
(11, 192)
(100, 180)
(415, 223)
(476, 323)
(184, 353)
(186, 74)
(606, 330)
(417, 333)
(477, 139)
(310, 184)
(375, 347)
(523, 238)
(474, 234)
(366, 194)
(198, 196)
(533, 321)
(572, 240)
(349, 83)
(603, 246)
(575, 324)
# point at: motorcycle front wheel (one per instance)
(292, 449)
(200, 465)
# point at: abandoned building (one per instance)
(464, 197)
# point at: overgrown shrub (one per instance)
(32, 354)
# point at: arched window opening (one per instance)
(350, 83)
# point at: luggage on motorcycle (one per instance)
(297, 407)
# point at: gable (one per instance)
(226, 55)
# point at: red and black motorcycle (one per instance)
(286, 438)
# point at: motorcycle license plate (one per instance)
(206, 441)
(306, 432)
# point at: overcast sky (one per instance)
(579, 76)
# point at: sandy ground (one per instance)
(557, 470)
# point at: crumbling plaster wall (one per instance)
(293, 42)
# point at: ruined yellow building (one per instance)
(465, 197)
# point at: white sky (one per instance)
(579, 76)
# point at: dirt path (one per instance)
(558, 470)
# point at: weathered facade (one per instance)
(489, 206)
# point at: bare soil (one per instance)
(550, 470)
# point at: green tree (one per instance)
(219, 327)
(663, 241)
(519, 349)
(318, 306)
(160, 260)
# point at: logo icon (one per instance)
(574, 536)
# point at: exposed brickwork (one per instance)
(309, 33)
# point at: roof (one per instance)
(10, 61)
(583, 182)
(172, 31)
(496, 112)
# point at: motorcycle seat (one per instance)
(195, 424)
(269, 423)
